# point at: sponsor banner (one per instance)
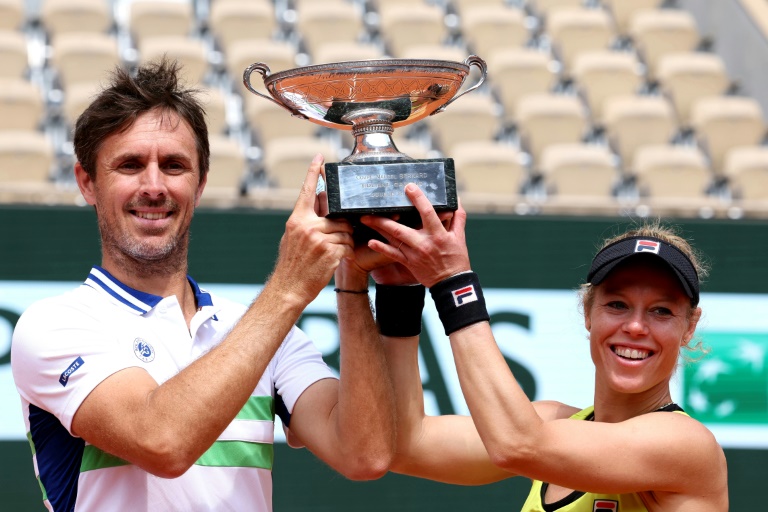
(542, 336)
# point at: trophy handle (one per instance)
(472, 60)
(262, 69)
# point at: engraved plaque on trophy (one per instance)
(372, 98)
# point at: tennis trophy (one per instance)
(372, 98)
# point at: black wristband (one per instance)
(356, 292)
(459, 301)
(398, 310)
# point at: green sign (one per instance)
(730, 384)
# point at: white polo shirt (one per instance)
(64, 346)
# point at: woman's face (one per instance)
(639, 319)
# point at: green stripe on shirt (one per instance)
(258, 408)
(221, 454)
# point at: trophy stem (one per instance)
(372, 129)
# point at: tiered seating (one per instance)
(546, 119)
(26, 151)
(493, 27)
(667, 171)
(13, 54)
(722, 123)
(746, 168)
(575, 169)
(575, 31)
(78, 16)
(404, 25)
(658, 32)
(622, 12)
(601, 75)
(517, 73)
(611, 99)
(632, 122)
(689, 76)
(11, 14)
(489, 168)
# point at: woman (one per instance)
(634, 450)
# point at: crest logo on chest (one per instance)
(143, 350)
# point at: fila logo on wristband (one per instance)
(464, 295)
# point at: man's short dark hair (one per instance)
(155, 86)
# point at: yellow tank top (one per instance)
(579, 501)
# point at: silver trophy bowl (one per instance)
(372, 98)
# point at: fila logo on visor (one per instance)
(605, 506)
(647, 246)
(464, 295)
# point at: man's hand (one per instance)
(312, 246)
(436, 251)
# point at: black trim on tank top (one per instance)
(575, 495)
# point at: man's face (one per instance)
(146, 188)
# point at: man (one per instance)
(140, 390)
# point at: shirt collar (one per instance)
(134, 300)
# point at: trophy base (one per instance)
(378, 188)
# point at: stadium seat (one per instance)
(462, 6)
(77, 97)
(228, 163)
(322, 22)
(546, 119)
(671, 171)
(235, 20)
(634, 121)
(346, 51)
(287, 159)
(158, 18)
(746, 168)
(472, 117)
(543, 8)
(488, 167)
(574, 31)
(406, 25)
(725, 122)
(84, 57)
(435, 52)
(599, 75)
(278, 55)
(215, 105)
(11, 14)
(578, 170)
(492, 27)
(270, 121)
(517, 73)
(658, 32)
(25, 157)
(622, 12)
(189, 52)
(64, 16)
(688, 76)
(14, 61)
(21, 105)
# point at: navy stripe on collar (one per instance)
(135, 300)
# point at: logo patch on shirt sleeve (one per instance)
(76, 364)
(464, 295)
